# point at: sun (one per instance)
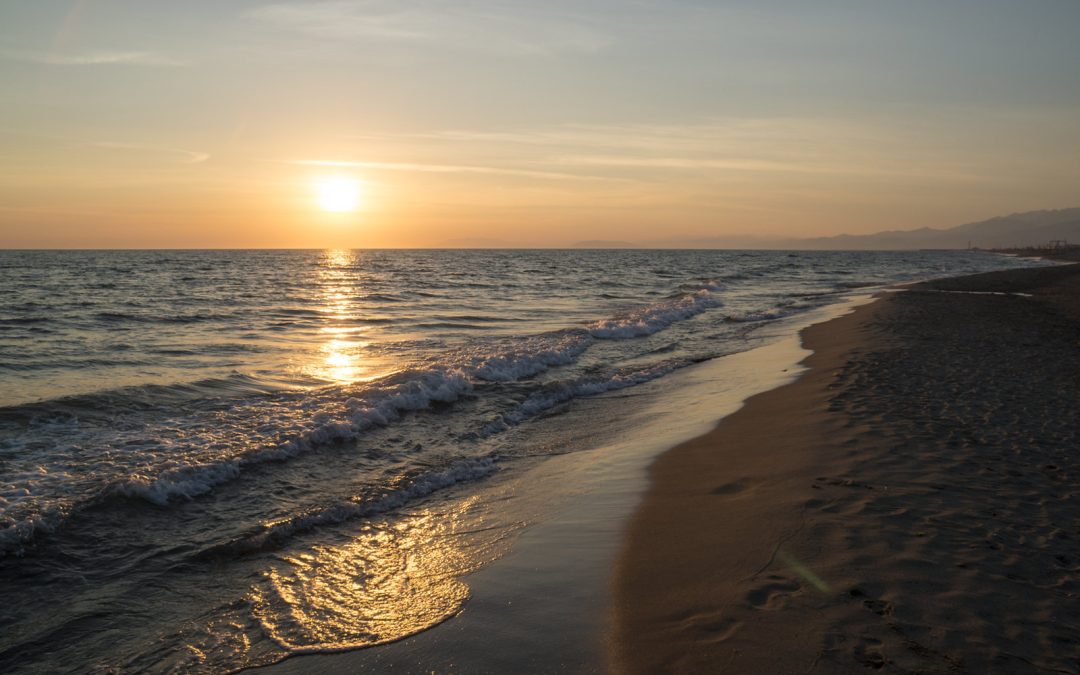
(337, 194)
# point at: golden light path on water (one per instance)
(339, 358)
(340, 362)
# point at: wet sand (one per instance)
(911, 504)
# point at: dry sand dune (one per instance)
(911, 504)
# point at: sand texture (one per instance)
(911, 504)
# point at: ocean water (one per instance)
(211, 460)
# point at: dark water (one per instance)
(210, 460)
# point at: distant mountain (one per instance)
(1019, 229)
(1032, 228)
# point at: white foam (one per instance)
(166, 460)
(654, 318)
(185, 482)
(1014, 293)
(16, 534)
(749, 317)
(381, 408)
(551, 397)
(524, 357)
(460, 472)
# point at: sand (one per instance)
(911, 504)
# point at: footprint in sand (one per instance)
(718, 629)
(774, 595)
(868, 653)
(732, 488)
(711, 626)
(879, 607)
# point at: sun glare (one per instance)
(337, 194)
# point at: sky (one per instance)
(222, 124)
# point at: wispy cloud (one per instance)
(446, 168)
(713, 147)
(690, 163)
(98, 58)
(523, 28)
(186, 156)
(69, 145)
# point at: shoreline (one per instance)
(836, 523)
(547, 500)
(555, 581)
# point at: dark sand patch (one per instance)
(912, 504)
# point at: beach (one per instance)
(254, 483)
(907, 505)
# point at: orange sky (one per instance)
(131, 124)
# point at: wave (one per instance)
(411, 392)
(508, 360)
(120, 317)
(414, 391)
(559, 393)
(53, 363)
(379, 405)
(710, 284)
(766, 315)
(184, 482)
(111, 402)
(247, 421)
(24, 320)
(15, 535)
(475, 318)
(448, 325)
(654, 318)
(408, 490)
(382, 297)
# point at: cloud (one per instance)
(692, 163)
(98, 59)
(188, 156)
(521, 28)
(775, 138)
(446, 168)
(710, 147)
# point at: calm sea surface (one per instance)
(215, 459)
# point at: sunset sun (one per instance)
(337, 194)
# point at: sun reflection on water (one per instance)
(341, 362)
(340, 359)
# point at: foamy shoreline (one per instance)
(546, 494)
(545, 606)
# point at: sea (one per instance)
(214, 460)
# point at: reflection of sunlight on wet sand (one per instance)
(393, 580)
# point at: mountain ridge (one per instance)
(1016, 230)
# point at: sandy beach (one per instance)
(463, 512)
(908, 505)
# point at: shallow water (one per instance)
(210, 460)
